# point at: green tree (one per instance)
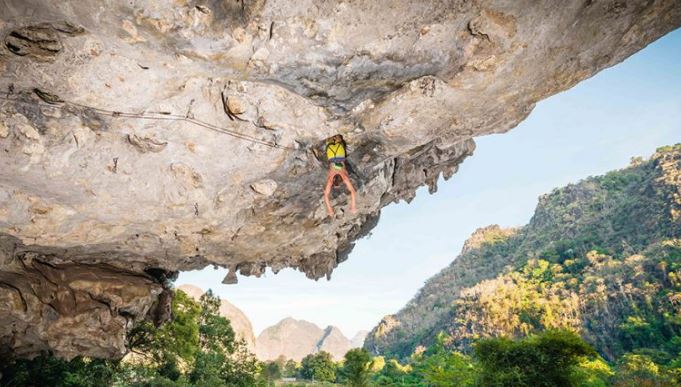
(438, 366)
(546, 359)
(271, 371)
(634, 370)
(592, 373)
(47, 370)
(216, 333)
(174, 342)
(448, 369)
(319, 367)
(221, 360)
(290, 369)
(356, 370)
(395, 374)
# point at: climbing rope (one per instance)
(160, 116)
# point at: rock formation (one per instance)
(295, 339)
(357, 340)
(334, 342)
(240, 323)
(171, 135)
(70, 308)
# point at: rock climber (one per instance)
(336, 153)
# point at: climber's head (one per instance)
(337, 138)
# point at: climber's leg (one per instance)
(327, 190)
(348, 183)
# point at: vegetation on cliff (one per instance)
(601, 258)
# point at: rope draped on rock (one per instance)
(58, 103)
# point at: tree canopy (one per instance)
(319, 367)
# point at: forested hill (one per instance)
(602, 256)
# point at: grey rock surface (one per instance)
(357, 340)
(295, 339)
(334, 342)
(215, 164)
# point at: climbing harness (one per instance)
(157, 116)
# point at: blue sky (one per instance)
(597, 126)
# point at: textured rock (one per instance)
(409, 84)
(240, 323)
(69, 308)
(295, 339)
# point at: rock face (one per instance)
(289, 337)
(177, 134)
(357, 340)
(295, 339)
(334, 342)
(70, 308)
(240, 323)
